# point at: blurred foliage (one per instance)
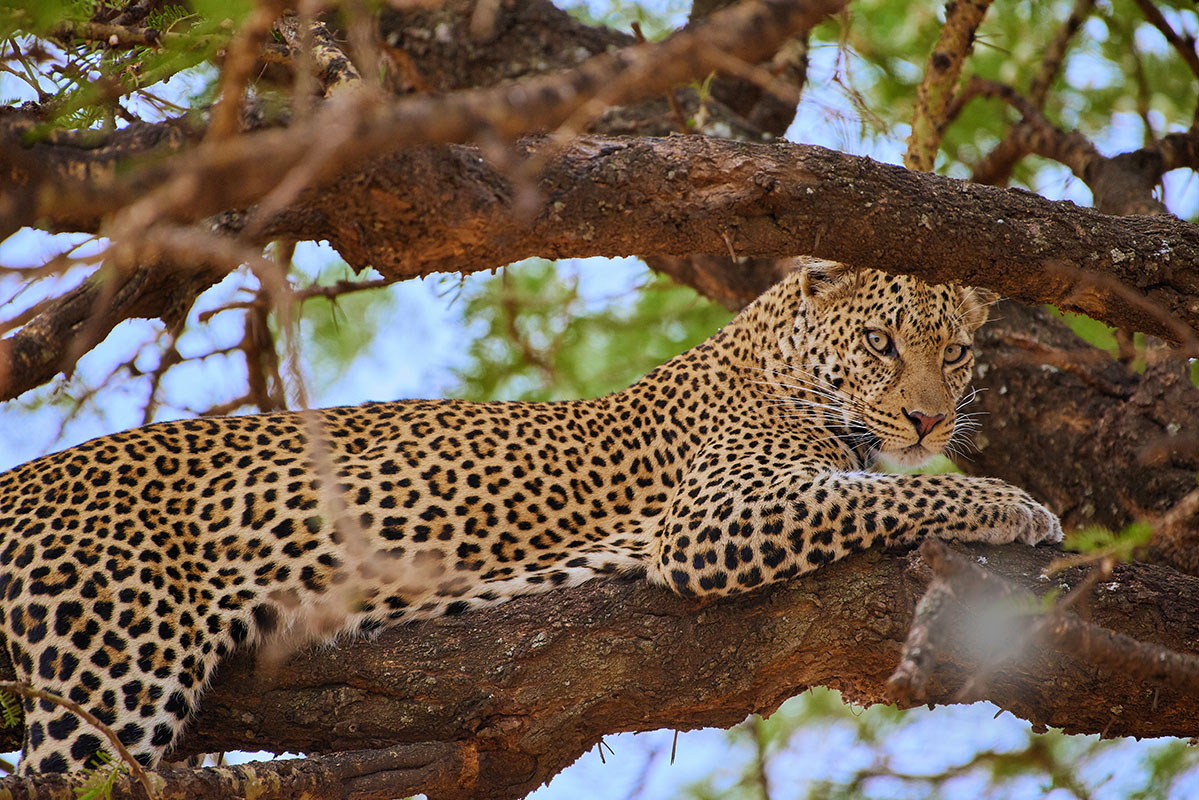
(334, 332)
(816, 747)
(536, 337)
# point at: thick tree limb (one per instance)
(988, 600)
(241, 172)
(446, 209)
(1118, 439)
(531, 685)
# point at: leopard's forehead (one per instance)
(905, 305)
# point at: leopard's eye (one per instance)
(880, 342)
(954, 353)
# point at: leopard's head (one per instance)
(883, 359)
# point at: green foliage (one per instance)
(1099, 541)
(881, 753)
(1162, 767)
(165, 18)
(336, 331)
(537, 338)
(82, 84)
(101, 776)
(10, 710)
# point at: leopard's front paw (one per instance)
(1043, 525)
(1022, 519)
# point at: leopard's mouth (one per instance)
(862, 441)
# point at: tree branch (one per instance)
(1122, 184)
(1044, 390)
(1184, 46)
(531, 685)
(996, 167)
(438, 209)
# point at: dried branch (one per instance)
(241, 171)
(970, 583)
(118, 35)
(1184, 45)
(936, 91)
(925, 635)
(1176, 534)
(238, 69)
(136, 771)
(996, 167)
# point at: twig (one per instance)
(997, 165)
(1080, 363)
(240, 61)
(1034, 132)
(198, 185)
(753, 73)
(760, 760)
(671, 100)
(33, 693)
(121, 35)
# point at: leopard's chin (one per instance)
(916, 455)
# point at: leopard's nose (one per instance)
(923, 423)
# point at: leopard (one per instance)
(133, 564)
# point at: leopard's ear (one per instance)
(823, 278)
(974, 304)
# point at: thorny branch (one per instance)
(136, 770)
(962, 18)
